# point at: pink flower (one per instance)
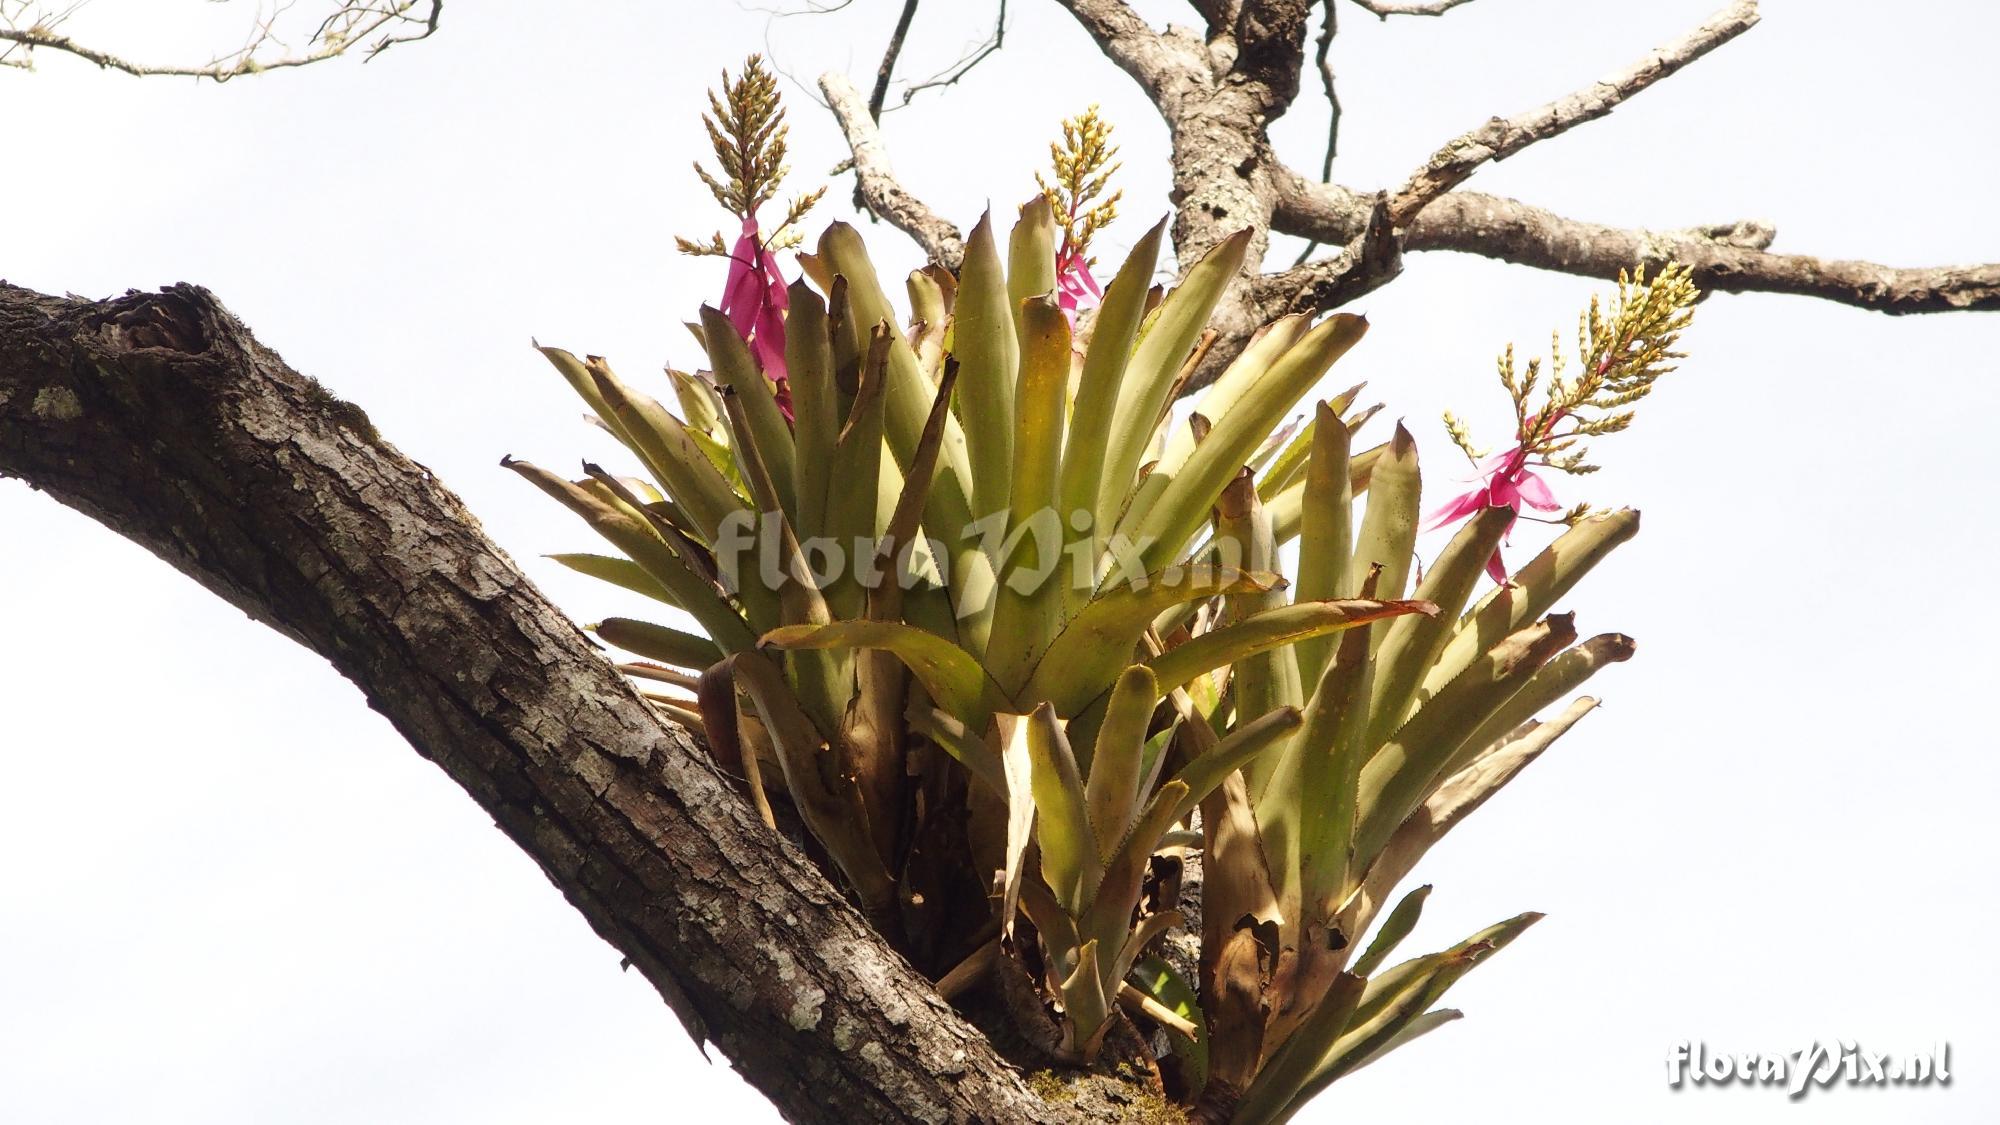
(1076, 290)
(1509, 483)
(753, 298)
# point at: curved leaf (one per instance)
(1086, 657)
(948, 672)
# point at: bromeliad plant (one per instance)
(1013, 647)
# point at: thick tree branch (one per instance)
(1164, 65)
(1732, 262)
(1502, 137)
(886, 196)
(1370, 260)
(1270, 43)
(1726, 257)
(159, 416)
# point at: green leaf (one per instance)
(1290, 462)
(854, 511)
(824, 680)
(1404, 771)
(1267, 680)
(1270, 629)
(1031, 258)
(618, 572)
(1237, 749)
(908, 393)
(1413, 643)
(1309, 811)
(629, 532)
(1388, 533)
(961, 743)
(947, 671)
(988, 353)
(699, 405)
(1532, 591)
(1267, 345)
(1292, 1065)
(1563, 675)
(885, 600)
(1415, 1029)
(1033, 575)
(1144, 934)
(1396, 1001)
(1097, 390)
(1088, 1008)
(1392, 931)
(1288, 506)
(1326, 530)
(815, 405)
(1463, 791)
(766, 428)
(658, 642)
(670, 454)
(1157, 359)
(1249, 419)
(579, 379)
(1017, 763)
(1086, 657)
(1112, 900)
(1112, 792)
(1069, 854)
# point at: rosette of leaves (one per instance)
(1063, 659)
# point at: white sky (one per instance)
(229, 893)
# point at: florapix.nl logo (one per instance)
(1822, 1064)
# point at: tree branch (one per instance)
(353, 25)
(886, 196)
(888, 68)
(1370, 260)
(1162, 65)
(1385, 9)
(160, 416)
(1728, 259)
(1323, 58)
(1502, 137)
(951, 75)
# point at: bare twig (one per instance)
(1322, 55)
(1137, 1002)
(885, 195)
(1502, 137)
(1418, 8)
(888, 67)
(368, 27)
(950, 75)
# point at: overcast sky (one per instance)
(230, 893)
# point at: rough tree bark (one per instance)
(159, 416)
(1218, 91)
